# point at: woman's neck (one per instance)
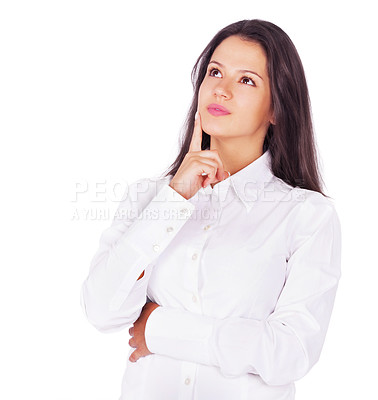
(236, 153)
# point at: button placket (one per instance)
(188, 376)
(195, 257)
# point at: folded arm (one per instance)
(282, 347)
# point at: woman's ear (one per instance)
(272, 119)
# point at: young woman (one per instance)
(227, 266)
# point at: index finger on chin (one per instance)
(195, 144)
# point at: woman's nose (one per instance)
(222, 90)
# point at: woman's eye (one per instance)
(215, 72)
(251, 83)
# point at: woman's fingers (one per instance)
(208, 168)
(195, 144)
(214, 155)
(199, 167)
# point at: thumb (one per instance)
(221, 177)
(226, 174)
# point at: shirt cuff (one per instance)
(180, 334)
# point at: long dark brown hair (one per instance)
(291, 139)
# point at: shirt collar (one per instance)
(247, 183)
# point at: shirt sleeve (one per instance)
(112, 297)
(284, 346)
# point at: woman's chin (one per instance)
(216, 133)
(215, 130)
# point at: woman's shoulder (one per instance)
(144, 189)
(309, 199)
(313, 212)
(310, 215)
(138, 193)
(150, 184)
(308, 210)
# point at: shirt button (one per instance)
(194, 256)
(194, 298)
(207, 227)
(169, 229)
(187, 381)
(184, 211)
(156, 247)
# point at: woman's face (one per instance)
(236, 79)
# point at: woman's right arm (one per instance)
(114, 293)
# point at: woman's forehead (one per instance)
(235, 53)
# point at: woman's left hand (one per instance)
(138, 340)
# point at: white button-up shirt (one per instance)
(245, 274)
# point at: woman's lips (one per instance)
(217, 110)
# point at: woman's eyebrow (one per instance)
(240, 70)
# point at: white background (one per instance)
(95, 92)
